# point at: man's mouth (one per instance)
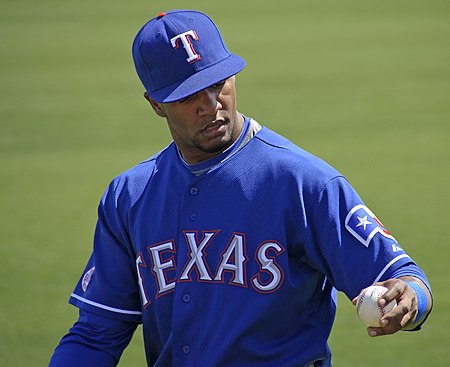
(214, 128)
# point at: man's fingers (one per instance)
(395, 290)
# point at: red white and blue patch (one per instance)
(87, 279)
(364, 225)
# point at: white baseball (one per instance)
(367, 306)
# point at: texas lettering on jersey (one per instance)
(233, 260)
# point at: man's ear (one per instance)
(157, 107)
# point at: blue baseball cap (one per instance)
(180, 53)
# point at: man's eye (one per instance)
(219, 84)
(185, 99)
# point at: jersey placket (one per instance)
(185, 297)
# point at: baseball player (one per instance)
(229, 245)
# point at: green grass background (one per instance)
(363, 84)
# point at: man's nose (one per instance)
(209, 102)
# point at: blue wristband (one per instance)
(422, 300)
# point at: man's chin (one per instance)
(216, 148)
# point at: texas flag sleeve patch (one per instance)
(364, 225)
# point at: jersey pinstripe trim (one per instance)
(108, 308)
(389, 265)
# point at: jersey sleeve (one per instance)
(108, 286)
(347, 242)
(93, 341)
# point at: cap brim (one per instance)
(200, 80)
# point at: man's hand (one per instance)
(404, 315)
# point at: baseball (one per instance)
(367, 306)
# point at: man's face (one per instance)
(204, 124)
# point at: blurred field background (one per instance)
(364, 85)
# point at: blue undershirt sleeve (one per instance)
(93, 340)
(410, 269)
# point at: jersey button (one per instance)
(186, 349)
(186, 297)
(193, 217)
(193, 190)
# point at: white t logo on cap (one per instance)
(186, 40)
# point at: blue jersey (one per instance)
(236, 265)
